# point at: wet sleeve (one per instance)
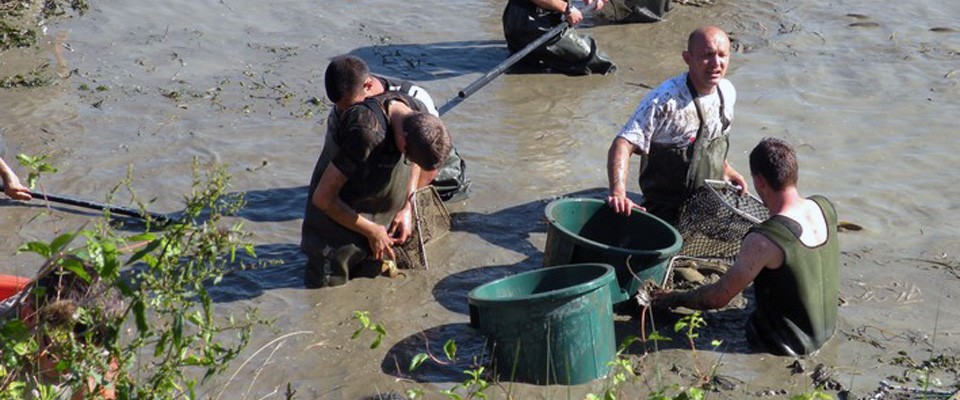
(356, 135)
(639, 128)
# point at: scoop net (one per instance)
(715, 219)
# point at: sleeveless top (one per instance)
(797, 303)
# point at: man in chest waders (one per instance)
(451, 181)
(681, 130)
(570, 53)
(792, 258)
(360, 194)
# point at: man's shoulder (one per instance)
(726, 87)
(360, 118)
(669, 89)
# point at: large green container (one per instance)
(552, 325)
(639, 246)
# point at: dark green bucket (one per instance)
(552, 325)
(588, 231)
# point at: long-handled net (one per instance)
(715, 219)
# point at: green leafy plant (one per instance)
(363, 317)
(36, 166)
(165, 337)
(815, 394)
(474, 386)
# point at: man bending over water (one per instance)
(792, 259)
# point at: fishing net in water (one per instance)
(715, 219)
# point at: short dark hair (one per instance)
(428, 141)
(776, 162)
(344, 76)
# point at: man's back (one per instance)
(797, 302)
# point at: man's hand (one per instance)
(600, 3)
(731, 175)
(662, 299)
(381, 244)
(621, 204)
(574, 16)
(15, 190)
(402, 225)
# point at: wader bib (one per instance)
(569, 53)
(797, 303)
(336, 254)
(669, 174)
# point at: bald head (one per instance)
(707, 35)
(707, 56)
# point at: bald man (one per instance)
(681, 131)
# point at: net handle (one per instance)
(713, 184)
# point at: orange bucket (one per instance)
(11, 285)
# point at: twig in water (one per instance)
(244, 364)
(259, 370)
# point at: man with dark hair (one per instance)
(348, 81)
(430, 146)
(681, 130)
(360, 194)
(792, 259)
(570, 53)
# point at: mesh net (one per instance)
(715, 219)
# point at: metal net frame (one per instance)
(715, 219)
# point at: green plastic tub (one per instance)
(639, 247)
(549, 326)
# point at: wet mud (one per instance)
(868, 91)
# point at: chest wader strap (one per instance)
(706, 155)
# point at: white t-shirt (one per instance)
(667, 115)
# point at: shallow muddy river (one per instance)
(868, 91)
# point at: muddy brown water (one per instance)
(869, 91)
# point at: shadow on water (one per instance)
(469, 354)
(510, 228)
(273, 205)
(276, 266)
(433, 61)
(451, 292)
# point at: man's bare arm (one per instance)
(327, 199)
(756, 253)
(618, 168)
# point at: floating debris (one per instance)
(847, 226)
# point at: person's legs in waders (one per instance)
(569, 53)
(335, 255)
(575, 54)
(339, 266)
(521, 26)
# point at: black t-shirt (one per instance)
(364, 149)
(368, 149)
